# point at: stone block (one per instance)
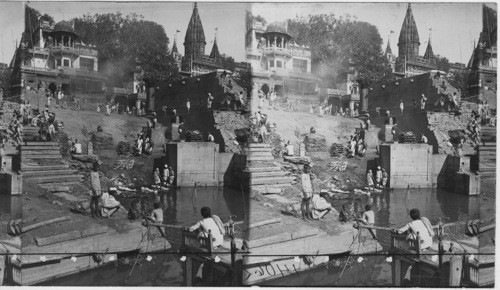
(315, 143)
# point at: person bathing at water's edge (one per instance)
(210, 223)
(420, 225)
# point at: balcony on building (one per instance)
(64, 39)
(277, 40)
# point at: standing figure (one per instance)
(307, 191)
(369, 180)
(188, 105)
(378, 177)
(171, 176)
(156, 176)
(96, 190)
(401, 106)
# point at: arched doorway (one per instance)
(52, 88)
(265, 88)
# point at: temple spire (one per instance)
(194, 42)
(409, 41)
(388, 49)
(429, 54)
(215, 49)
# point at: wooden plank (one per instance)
(264, 222)
(94, 230)
(58, 238)
(269, 240)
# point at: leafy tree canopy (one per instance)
(442, 63)
(340, 44)
(126, 42)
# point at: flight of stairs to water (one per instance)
(264, 175)
(487, 152)
(43, 164)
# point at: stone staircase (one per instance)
(262, 172)
(487, 152)
(43, 164)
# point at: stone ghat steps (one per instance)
(276, 173)
(256, 150)
(30, 168)
(55, 179)
(260, 154)
(261, 168)
(41, 163)
(39, 148)
(260, 158)
(271, 180)
(39, 156)
(42, 173)
(259, 145)
(39, 143)
(44, 151)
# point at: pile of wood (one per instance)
(407, 137)
(337, 150)
(125, 148)
(102, 141)
(194, 136)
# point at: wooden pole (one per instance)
(44, 223)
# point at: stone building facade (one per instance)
(60, 61)
(278, 63)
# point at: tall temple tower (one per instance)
(215, 54)
(390, 57)
(409, 42)
(429, 54)
(409, 62)
(194, 42)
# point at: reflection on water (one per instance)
(392, 209)
(180, 207)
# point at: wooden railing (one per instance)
(401, 243)
(195, 243)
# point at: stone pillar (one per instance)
(150, 98)
(69, 41)
(90, 148)
(363, 99)
(275, 40)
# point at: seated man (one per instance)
(368, 219)
(320, 207)
(157, 214)
(77, 147)
(210, 223)
(289, 149)
(109, 205)
(157, 217)
(420, 225)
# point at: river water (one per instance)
(182, 207)
(391, 210)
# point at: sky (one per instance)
(454, 25)
(229, 18)
(11, 27)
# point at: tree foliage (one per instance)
(442, 63)
(340, 44)
(458, 79)
(126, 42)
(228, 62)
